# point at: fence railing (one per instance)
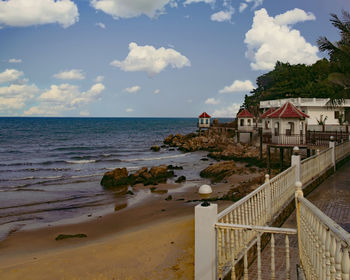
(323, 244)
(242, 231)
(257, 209)
(313, 166)
(240, 226)
(342, 150)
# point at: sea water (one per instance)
(51, 168)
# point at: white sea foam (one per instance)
(156, 158)
(81, 161)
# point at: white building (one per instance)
(315, 108)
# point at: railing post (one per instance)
(332, 145)
(205, 242)
(268, 197)
(296, 163)
(298, 193)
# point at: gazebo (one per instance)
(266, 121)
(288, 126)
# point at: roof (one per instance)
(245, 114)
(288, 110)
(204, 115)
(268, 112)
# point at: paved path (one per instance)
(333, 198)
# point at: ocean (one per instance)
(50, 168)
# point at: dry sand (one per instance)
(154, 240)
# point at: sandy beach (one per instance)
(153, 240)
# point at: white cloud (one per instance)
(242, 7)
(151, 60)
(212, 101)
(223, 15)
(269, 41)
(294, 16)
(257, 3)
(74, 74)
(15, 60)
(99, 79)
(238, 86)
(129, 9)
(14, 97)
(10, 75)
(157, 91)
(133, 89)
(34, 12)
(64, 97)
(100, 24)
(129, 110)
(227, 112)
(189, 100)
(187, 2)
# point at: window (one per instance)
(277, 129)
(336, 114)
(242, 122)
(202, 121)
(206, 121)
(249, 122)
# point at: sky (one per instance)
(150, 58)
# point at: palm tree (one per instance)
(339, 53)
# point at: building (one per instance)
(204, 120)
(288, 125)
(315, 108)
(245, 121)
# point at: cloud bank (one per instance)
(151, 60)
(271, 39)
(35, 12)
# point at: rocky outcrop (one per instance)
(119, 177)
(219, 171)
(115, 178)
(235, 152)
(220, 146)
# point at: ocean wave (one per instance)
(18, 179)
(155, 158)
(86, 176)
(84, 161)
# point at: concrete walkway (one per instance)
(333, 198)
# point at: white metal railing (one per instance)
(257, 209)
(314, 166)
(323, 244)
(242, 232)
(342, 150)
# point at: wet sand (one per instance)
(152, 240)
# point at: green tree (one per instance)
(339, 53)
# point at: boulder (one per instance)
(155, 148)
(168, 139)
(219, 171)
(115, 178)
(181, 179)
(159, 171)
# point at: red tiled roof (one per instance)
(288, 110)
(245, 114)
(204, 115)
(268, 112)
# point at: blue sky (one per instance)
(149, 58)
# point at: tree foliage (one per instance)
(323, 79)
